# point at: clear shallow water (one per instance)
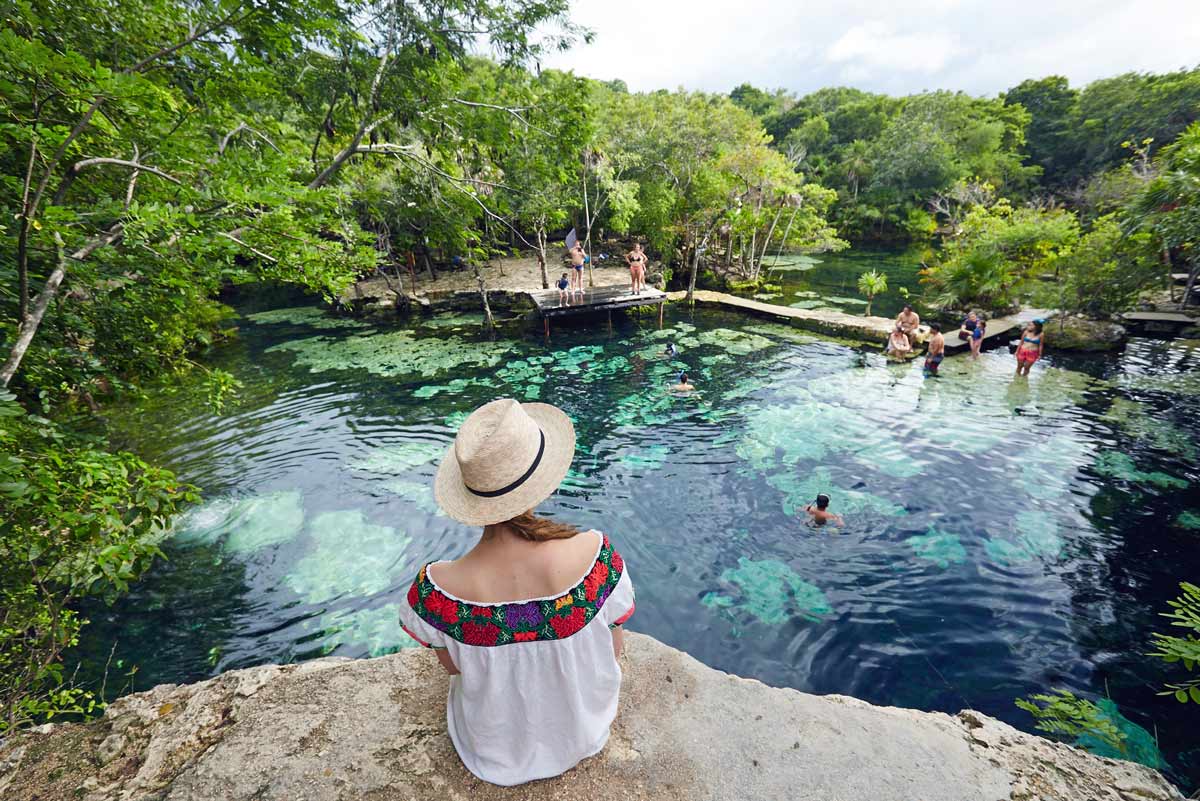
(1003, 537)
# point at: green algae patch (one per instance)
(792, 263)
(311, 316)
(939, 547)
(348, 556)
(799, 491)
(376, 631)
(767, 295)
(1137, 744)
(400, 457)
(846, 301)
(1036, 538)
(1114, 464)
(770, 591)
(394, 354)
(418, 493)
(244, 526)
(1143, 422)
(1047, 468)
(1188, 520)
(646, 459)
(807, 304)
(458, 320)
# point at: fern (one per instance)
(1186, 649)
(1064, 714)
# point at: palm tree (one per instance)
(871, 284)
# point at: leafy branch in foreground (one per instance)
(1186, 649)
(1064, 714)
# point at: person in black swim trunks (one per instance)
(577, 260)
(937, 350)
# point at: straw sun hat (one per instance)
(506, 459)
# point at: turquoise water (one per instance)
(1002, 536)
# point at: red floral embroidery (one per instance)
(566, 625)
(498, 624)
(480, 633)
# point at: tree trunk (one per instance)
(1191, 284)
(587, 223)
(487, 309)
(541, 255)
(29, 326)
(428, 263)
(692, 270)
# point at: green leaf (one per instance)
(1181, 696)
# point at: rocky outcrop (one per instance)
(375, 729)
(1072, 332)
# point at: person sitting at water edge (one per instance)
(937, 349)
(1031, 347)
(563, 283)
(909, 321)
(977, 335)
(683, 385)
(527, 622)
(898, 345)
(820, 514)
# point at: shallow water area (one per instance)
(1003, 536)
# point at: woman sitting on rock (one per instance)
(527, 621)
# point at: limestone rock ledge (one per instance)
(374, 729)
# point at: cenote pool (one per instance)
(1003, 537)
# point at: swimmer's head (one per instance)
(822, 501)
(683, 377)
(907, 307)
(935, 328)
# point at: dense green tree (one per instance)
(1169, 205)
(1050, 137)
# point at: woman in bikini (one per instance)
(636, 259)
(1031, 347)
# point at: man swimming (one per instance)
(820, 514)
(684, 385)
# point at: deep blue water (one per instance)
(1003, 536)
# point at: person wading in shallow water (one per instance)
(527, 622)
(1031, 347)
(937, 350)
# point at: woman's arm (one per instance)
(447, 661)
(618, 638)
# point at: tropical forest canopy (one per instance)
(156, 153)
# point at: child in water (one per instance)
(670, 351)
(563, 283)
(820, 514)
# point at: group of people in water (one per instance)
(902, 340)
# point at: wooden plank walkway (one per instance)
(596, 299)
(999, 333)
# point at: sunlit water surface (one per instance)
(1002, 536)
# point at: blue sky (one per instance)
(897, 47)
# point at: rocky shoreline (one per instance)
(374, 729)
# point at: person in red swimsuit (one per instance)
(1030, 350)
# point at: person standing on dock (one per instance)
(578, 258)
(636, 259)
(909, 321)
(937, 350)
(1031, 347)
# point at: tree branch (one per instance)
(242, 126)
(79, 166)
(251, 248)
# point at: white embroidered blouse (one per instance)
(539, 682)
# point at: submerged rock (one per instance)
(376, 728)
(1071, 332)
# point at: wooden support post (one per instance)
(610, 322)
(660, 314)
(546, 322)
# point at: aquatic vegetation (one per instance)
(807, 304)
(394, 354)
(800, 488)
(791, 263)
(804, 293)
(420, 493)
(349, 556)
(1137, 744)
(1114, 464)
(1142, 422)
(376, 630)
(454, 387)
(244, 525)
(939, 547)
(1037, 538)
(647, 459)
(311, 316)
(455, 419)
(1046, 469)
(767, 295)
(1189, 520)
(771, 591)
(400, 457)
(846, 301)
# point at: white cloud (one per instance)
(873, 45)
(978, 46)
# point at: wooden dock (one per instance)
(595, 299)
(1160, 322)
(999, 333)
